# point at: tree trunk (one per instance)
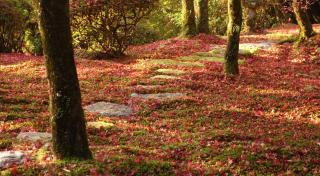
(234, 28)
(188, 19)
(203, 19)
(303, 20)
(68, 123)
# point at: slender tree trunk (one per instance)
(303, 20)
(203, 19)
(68, 123)
(234, 28)
(188, 19)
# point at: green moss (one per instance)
(100, 124)
(171, 71)
(207, 59)
(144, 168)
(169, 62)
(5, 144)
(233, 153)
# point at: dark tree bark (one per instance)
(306, 30)
(203, 19)
(68, 123)
(188, 19)
(234, 28)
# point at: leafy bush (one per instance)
(107, 26)
(18, 27)
(11, 27)
(32, 42)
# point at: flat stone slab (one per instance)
(171, 71)
(170, 62)
(109, 109)
(251, 48)
(207, 59)
(244, 48)
(9, 158)
(164, 77)
(147, 87)
(159, 96)
(100, 124)
(35, 136)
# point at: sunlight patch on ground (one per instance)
(256, 91)
(29, 69)
(147, 64)
(171, 71)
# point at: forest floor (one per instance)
(266, 122)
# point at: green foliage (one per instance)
(107, 26)
(11, 27)
(162, 23)
(218, 16)
(18, 27)
(5, 143)
(32, 42)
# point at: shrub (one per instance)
(11, 27)
(107, 26)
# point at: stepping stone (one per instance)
(164, 77)
(170, 62)
(100, 124)
(159, 96)
(171, 71)
(9, 158)
(244, 48)
(109, 109)
(208, 59)
(147, 87)
(34, 137)
(251, 48)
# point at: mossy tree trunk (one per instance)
(203, 18)
(189, 28)
(306, 30)
(234, 28)
(68, 123)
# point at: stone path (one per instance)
(244, 48)
(165, 77)
(147, 87)
(9, 158)
(100, 124)
(34, 137)
(171, 71)
(159, 96)
(169, 62)
(109, 109)
(195, 60)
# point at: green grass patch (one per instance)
(144, 168)
(171, 71)
(206, 59)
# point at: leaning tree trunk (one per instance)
(303, 20)
(188, 19)
(234, 28)
(68, 123)
(203, 18)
